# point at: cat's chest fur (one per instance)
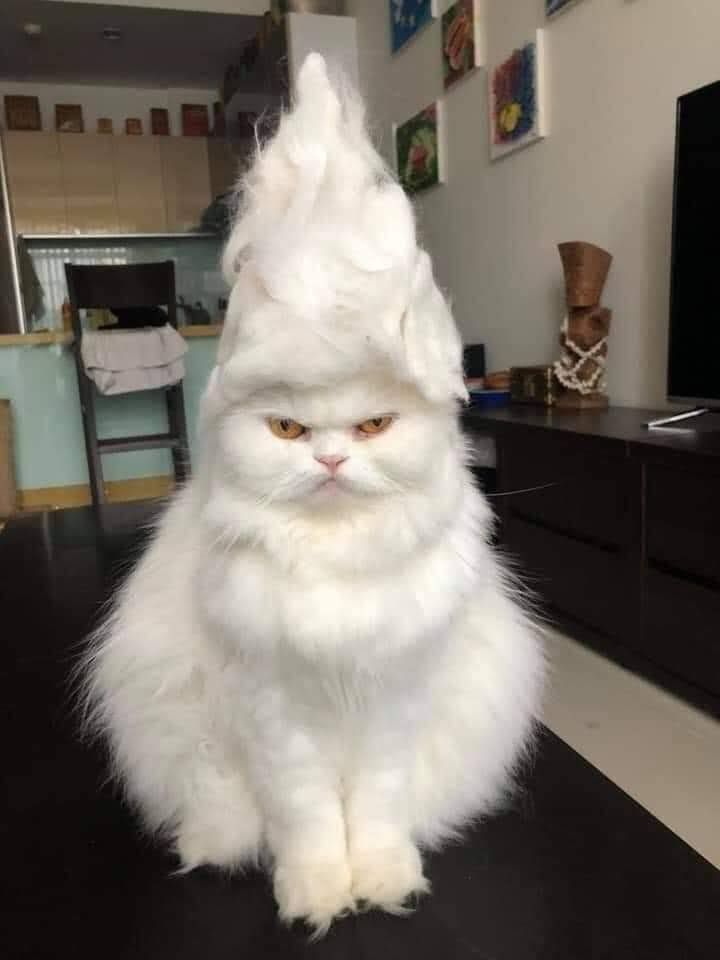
(257, 603)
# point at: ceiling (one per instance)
(157, 48)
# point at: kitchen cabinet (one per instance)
(139, 184)
(35, 181)
(88, 179)
(186, 181)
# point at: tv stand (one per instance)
(617, 528)
(681, 417)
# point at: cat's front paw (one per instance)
(389, 877)
(314, 892)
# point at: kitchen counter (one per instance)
(66, 337)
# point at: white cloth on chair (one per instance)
(125, 361)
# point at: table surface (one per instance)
(571, 868)
(621, 425)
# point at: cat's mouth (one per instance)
(330, 487)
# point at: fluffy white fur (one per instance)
(325, 675)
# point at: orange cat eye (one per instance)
(375, 425)
(286, 429)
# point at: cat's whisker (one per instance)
(284, 483)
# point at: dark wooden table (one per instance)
(617, 528)
(572, 868)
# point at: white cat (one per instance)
(319, 662)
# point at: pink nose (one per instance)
(332, 463)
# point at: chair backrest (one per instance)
(130, 285)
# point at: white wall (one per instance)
(603, 175)
(115, 102)
(334, 37)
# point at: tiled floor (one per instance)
(657, 748)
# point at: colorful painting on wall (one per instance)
(460, 41)
(555, 6)
(419, 150)
(407, 17)
(517, 108)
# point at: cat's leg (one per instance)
(386, 864)
(295, 770)
(306, 836)
(219, 821)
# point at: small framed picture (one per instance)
(461, 41)
(133, 126)
(159, 122)
(408, 18)
(195, 120)
(22, 113)
(518, 114)
(104, 125)
(69, 118)
(419, 149)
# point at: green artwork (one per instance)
(417, 149)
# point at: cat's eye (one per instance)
(375, 425)
(286, 429)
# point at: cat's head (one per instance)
(325, 449)
(340, 364)
(328, 282)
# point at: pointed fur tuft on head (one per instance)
(326, 275)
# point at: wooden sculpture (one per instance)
(585, 329)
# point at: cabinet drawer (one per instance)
(583, 581)
(588, 496)
(682, 629)
(683, 520)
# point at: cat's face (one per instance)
(322, 447)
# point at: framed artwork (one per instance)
(419, 152)
(461, 40)
(22, 113)
(195, 120)
(408, 17)
(159, 122)
(133, 126)
(68, 118)
(556, 6)
(104, 125)
(517, 111)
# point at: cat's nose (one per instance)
(332, 463)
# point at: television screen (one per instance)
(694, 353)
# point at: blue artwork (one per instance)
(407, 17)
(517, 115)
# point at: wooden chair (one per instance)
(134, 285)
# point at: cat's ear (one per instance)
(431, 342)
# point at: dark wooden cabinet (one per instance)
(617, 530)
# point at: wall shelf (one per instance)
(112, 237)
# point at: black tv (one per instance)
(694, 347)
